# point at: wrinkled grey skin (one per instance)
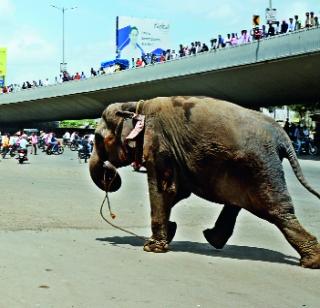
(217, 150)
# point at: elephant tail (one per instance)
(292, 157)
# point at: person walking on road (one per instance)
(34, 142)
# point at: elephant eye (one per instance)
(109, 139)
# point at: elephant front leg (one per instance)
(162, 199)
(223, 229)
(163, 230)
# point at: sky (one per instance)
(32, 30)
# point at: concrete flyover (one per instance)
(275, 71)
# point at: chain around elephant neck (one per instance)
(138, 105)
(112, 215)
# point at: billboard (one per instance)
(3, 61)
(271, 15)
(136, 37)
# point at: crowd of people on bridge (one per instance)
(230, 40)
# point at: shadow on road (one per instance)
(229, 251)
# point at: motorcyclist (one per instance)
(66, 138)
(298, 134)
(13, 143)
(86, 144)
(5, 144)
(23, 144)
(53, 143)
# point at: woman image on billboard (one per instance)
(131, 48)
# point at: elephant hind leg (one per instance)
(223, 228)
(282, 215)
(301, 240)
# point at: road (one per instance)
(56, 251)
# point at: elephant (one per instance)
(217, 150)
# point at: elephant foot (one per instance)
(216, 239)
(152, 245)
(311, 260)
(172, 227)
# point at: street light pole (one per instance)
(63, 9)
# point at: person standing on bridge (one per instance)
(311, 19)
(284, 27)
(290, 25)
(271, 30)
(297, 25)
(308, 20)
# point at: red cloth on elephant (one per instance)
(138, 127)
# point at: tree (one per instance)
(78, 123)
(302, 110)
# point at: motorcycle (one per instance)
(56, 149)
(12, 151)
(4, 152)
(74, 145)
(22, 156)
(41, 144)
(307, 147)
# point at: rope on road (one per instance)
(113, 216)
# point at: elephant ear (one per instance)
(131, 126)
(127, 128)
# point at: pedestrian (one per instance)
(34, 143)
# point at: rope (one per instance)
(113, 216)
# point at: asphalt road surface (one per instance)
(56, 251)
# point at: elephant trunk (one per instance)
(104, 174)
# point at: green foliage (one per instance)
(302, 110)
(78, 123)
